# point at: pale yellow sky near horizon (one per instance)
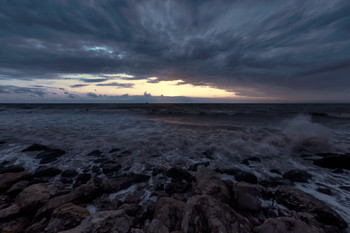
(140, 86)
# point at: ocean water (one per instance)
(178, 134)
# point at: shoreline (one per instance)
(157, 199)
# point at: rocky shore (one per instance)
(106, 197)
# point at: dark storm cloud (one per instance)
(115, 84)
(79, 85)
(93, 80)
(256, 48)
(38, 92)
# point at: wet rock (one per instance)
(95, 153)
(229, 171)
(276, 171)
(208, 153)
(124, 153)
(138, 178)
(47, 171)
(177, 186)
(15, 226)
(168, 215)
(325, 191)
(13, 168)
(96, 169)
(334, 161)
(285, 224)
(157, 227)
(36, 147)
(9, 212)
(338, 170)
(300, 201)
(246, 197)
(17, 188)
(133, 197)
(275, 181)
(209, 183)
(114, 150)
(347, 188)
(130, 209)
(104, 221)
(194, 167)
(179, 174)
(144, 214)
(113, 185)
(82, 179)
(206, 214)
(105, 203)
(8, 179)
(297, 176)
(254, 159)
(33, 197)
(246, 177)
(69, 173)
(66, 217)
(110, 168)
(82, 194)
(66, 180)
(37, 226)
(49, 156)
(158, 170)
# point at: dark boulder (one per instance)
(13, 168)
(246, 197)
(334, 161)
(209, 183)
(17, 187)
(66, 217)
(113, 150)
(168, 215)
(82, 179)
(246, 177)
(47, 171)
(69, 173)
(124, 153)
(8, 179)
(297, 176)
(254, 159)
(194, 167)
(113, 184)
(179, 174)
(229, 171)
(104, 221)
(177, 186)
(80, 195)
(300, 201)
(111, 168)
(36, 147)
(137, 178)
(206, 214)
(208, 153)
(96, 153)
(32, 197)
(285, 225)
(50, 155)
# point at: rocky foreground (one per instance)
(106, 197)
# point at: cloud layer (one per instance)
(272, 48)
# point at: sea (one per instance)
(283, 136)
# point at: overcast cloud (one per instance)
(272, 48)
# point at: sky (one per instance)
(232, 51)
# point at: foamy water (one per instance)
(178, 135)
